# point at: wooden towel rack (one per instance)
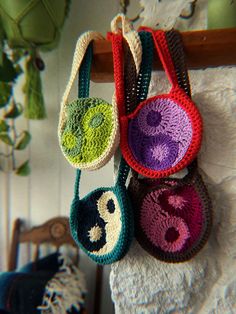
(205, 48)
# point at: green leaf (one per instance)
(23, 140)
(5, 137)
(24, 169)
(4, 127)
(14, 111)
(7, 70)
(5, 93)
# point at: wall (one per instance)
(47, 192)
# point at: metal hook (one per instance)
(192, 11)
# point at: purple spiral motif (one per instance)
(160, 134)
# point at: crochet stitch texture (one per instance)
(88, 127)
(102, 222)
(172, 216)
(163, 134)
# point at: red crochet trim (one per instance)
(118, 61)
(176, 94)
(184, 102)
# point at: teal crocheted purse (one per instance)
(88, 126)
(102, 222)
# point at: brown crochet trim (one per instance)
(175, 45)
(138, 189)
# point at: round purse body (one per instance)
(172, 216)
(88, 128)
(90, 134)
(163, 135)
(102, 224)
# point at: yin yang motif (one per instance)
(99, 222)
(160, 134)
(87, 130)
(172, 219)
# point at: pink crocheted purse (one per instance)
(172, 216)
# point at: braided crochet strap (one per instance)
(117, 50)
(144, 76)
(136, 88)
(80, 50)
(164, 54)
(83, 91)
(130, 35)
(134, 43)
(122, 172)
(84, 73)
(142, 84)
(175, 46)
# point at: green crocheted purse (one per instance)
(88, 126)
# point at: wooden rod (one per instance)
(205, 48)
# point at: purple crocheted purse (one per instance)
(163, 134)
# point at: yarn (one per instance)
(102, 222)
(88, 127)
(88, 130)
(178, 131)
(173, 216)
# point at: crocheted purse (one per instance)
(163, 134)
(172, 216)
(88, 127)
(102, 222)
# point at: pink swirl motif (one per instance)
(172, 219)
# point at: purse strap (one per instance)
(80, 50)
(133, 41)
(130, 35)
(175, 45)
(83, 92)
(137, 84)
(162, 49)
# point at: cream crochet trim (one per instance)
(65, 290)
(80, 50)
(130, 35)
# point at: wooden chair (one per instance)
(55, 232)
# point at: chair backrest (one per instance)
(55, 232)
